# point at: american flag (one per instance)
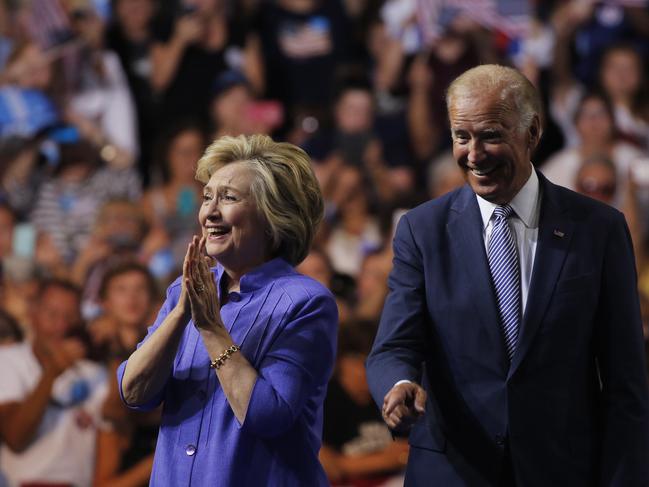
(301, 40)
(47, 23)
(511, 17)
(629, 3)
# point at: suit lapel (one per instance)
(555, 235)
(465, 230)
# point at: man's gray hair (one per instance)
(513, 88)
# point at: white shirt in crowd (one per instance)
(63, 449)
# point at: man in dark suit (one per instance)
(510, 345)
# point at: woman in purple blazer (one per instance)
(241, 352)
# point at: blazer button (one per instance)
(190, 450)
(500, 440)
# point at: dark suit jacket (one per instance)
(573, 405)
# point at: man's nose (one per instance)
(476, 151)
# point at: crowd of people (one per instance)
(106, 107)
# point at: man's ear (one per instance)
(534, 133)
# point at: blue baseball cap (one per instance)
(227, 80)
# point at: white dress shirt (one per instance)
(525, 225)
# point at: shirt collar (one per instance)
(260, 276)
(524, 203)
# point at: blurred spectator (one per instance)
(10, 331)
(317, 265)
(353, 142)
(372, 285)
(100, 104)
(7, 223)
(298, 46)
(50, 397)
(358, 449)
(125, 451)
(620, 71)
(130, 36)
(5, 33)
(31, 95)
(67, 204)
(597, 135)
(28, 96)
(127, 294)
(30, 67)
(234, 111)
(231, 98)
(597, 178)
(19, 288)
(170, 209)
(444, 175)
(622, 76)
(49, 262)
(20, 181)
(362, 15)
(353, 114)
(464, 44)
(117, 237)
(356, 233)
(590, 27)
(190, 49)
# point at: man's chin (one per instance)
(487, 190)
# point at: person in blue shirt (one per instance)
(241, 352)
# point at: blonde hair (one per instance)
(285, 189)
(514, 89)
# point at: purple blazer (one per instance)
(286, 325)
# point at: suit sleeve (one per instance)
(621, 360)
(400, 345)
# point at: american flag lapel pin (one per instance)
(559, 233)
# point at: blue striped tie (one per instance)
(505, 275)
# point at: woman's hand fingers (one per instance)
(203, 264)
(200, 286)
(194, 259)
(203, 267)
(183, 293)
(201, 276)
(198, 289)
(186, 261)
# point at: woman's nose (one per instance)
(212, 210)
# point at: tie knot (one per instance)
(503, 211)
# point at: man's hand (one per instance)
(404, 404)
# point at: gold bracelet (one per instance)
(220, 360)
